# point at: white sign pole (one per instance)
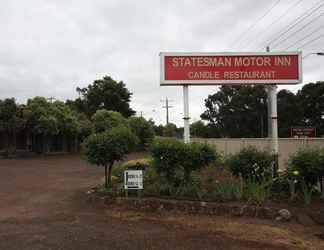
(274, 126)
(268, 90)
(186, 125)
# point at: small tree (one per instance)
(143, 129)
(103, 149)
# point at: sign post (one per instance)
(266, 68)
(133, 180)
(274, 127)
(303, 132)
(186, 118)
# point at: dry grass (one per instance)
(292, 235)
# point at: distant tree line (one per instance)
(43, 123)
(241, 111)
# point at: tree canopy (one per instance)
(237, 111)
(105, 93)
(241, 111)
(104, 120)
(143, 129)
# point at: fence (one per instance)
(287, 146)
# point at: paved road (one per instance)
(43, 206)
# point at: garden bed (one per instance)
(271, 211)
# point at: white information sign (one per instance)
(133, 179)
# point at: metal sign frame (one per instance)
(164, 82)
(140, 183)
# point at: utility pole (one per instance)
(51, 99)
(167, 106)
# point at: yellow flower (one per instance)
(296, 172)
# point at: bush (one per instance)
(226, 191)
(103, 149)
(138, 164)
(307, 165)
(257, 191)
(143, 130)
(175, 161)
(251, 164)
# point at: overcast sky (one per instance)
(50, 47)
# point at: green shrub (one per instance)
(175, 161)
(251, 164)
(103, 149)
(255, 191)
(226, 191)
(143, 129)
(307, 192)
(307, 165)
(281, 187)
(138, 164)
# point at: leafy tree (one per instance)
(86, 126)
(68, 123)
(237, 111)
(41, 120)
(311, 97)
(105, 93)
(158, 130)
(199, 129)
(290, 112)
(67, 119)
(170, 130)
(103, 149)
(104, 120)
(11, 120)
(143, 129)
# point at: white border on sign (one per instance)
(164, 82)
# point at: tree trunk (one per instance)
(64, 143)
(14, 140)
(109, 174)
(6, 140)
(106, 179)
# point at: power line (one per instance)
(305, 37)
(313, 40)
(289, 9)
(255, 23)
(297, 20)
(300, 29)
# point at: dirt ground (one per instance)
(43, 205)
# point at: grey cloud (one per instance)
(51, 47)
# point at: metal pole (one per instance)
(186, 128)
(274, 127)
(269, 106)
(167, 110)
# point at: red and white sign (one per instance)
(230, 68)
(303, 132)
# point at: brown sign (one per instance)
(303, 132)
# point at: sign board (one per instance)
(230, 68)
(133, 179)
(303, 132)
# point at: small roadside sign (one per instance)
(303, 132)
(133, 179)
